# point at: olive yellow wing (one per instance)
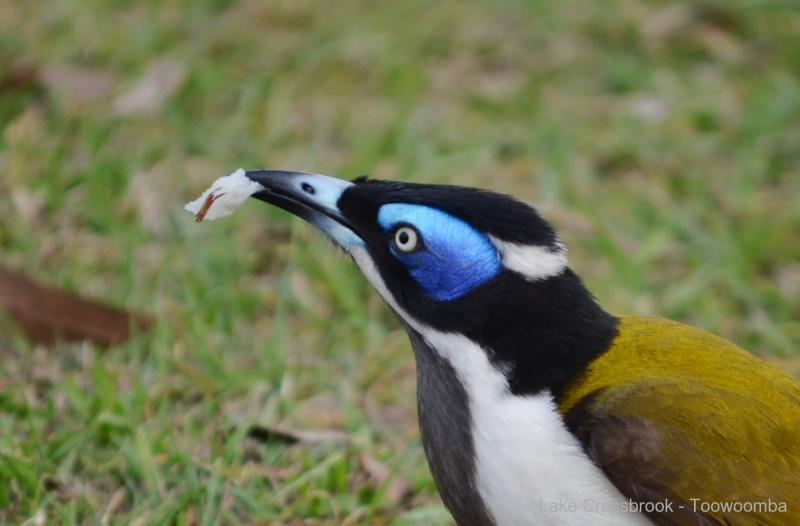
(691, 428)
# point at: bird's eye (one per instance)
(406, 239)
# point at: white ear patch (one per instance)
(535, 262)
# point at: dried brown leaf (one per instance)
(45, 313)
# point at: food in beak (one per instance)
(223, 197)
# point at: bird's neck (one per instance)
(539, 334)
(495, 456)
(543, 334)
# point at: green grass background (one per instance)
(661, 139)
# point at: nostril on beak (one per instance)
(307, 188)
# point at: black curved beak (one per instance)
(313, 197)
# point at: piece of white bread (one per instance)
(224, 196)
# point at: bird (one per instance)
(536, 406)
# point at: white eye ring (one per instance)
(406, 239)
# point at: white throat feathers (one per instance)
(527, 464)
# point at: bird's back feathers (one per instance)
(673, 413)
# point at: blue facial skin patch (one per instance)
(454, 257)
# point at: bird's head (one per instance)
(457, 259)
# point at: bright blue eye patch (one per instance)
(454, 257)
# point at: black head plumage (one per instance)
(543, 333)
(493, 213)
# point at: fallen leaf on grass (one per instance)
(397, 490)
(160, 81)
(291, 436)
(45, 313)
